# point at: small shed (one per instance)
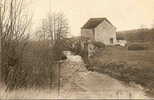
(99, 29)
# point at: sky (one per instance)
(124, 14)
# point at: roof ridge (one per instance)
(94, 22)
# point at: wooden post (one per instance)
(59, 79)
(0, 43)
(56, 80)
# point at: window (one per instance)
(111, 40)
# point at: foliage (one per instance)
(38, 64)
(130, 74)
(137, 47)
(99, 44)
(58, 49)
(54, 27)
(127, 66)
(141, 35)
(14, 37)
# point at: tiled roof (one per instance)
(94, 22)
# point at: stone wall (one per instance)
(87, 33)
(105, 32)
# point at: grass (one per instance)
(29, 93)
(128, 66)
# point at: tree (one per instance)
(142, 33)
(54, 27)
(14, 25)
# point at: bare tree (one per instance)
(14, 25)
(54, 27)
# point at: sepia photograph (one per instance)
(76, 49)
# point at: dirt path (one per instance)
(79, 83)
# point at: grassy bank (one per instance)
(127, 66)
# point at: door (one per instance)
(111, 40)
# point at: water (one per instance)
(79, 83)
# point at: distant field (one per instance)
(128, 66)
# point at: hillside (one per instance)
(135, 35)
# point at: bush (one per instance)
(58, 48)
(137, 47)
(38, 64)
(84, 54)
(99, 44)
(35, 68)
(77, 48)
(12, 70)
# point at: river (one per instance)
(79, 83)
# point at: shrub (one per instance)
(38, 64)
(59, 47)
(12, 70)
(77, 48)
(99, 44)
(35, 68)
(84, 54)
(137, 47)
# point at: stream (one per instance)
(79, 83)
